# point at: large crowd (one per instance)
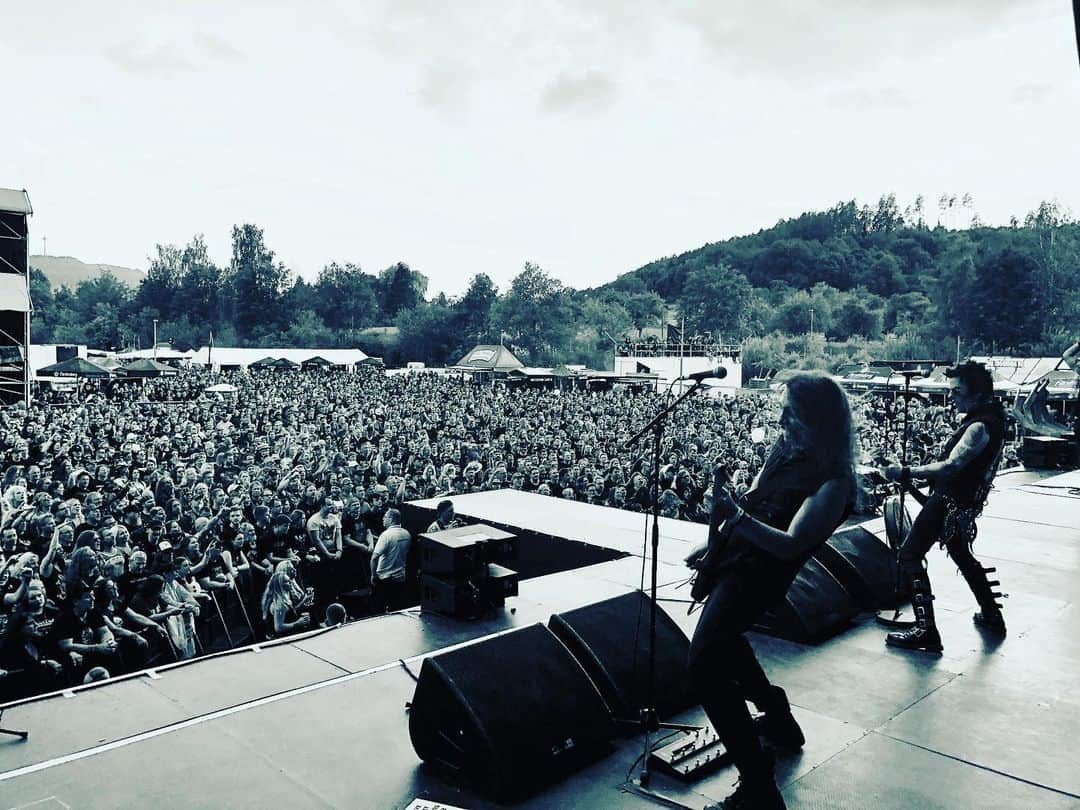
(152, 522)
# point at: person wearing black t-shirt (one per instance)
(25, 660)
(356, 548)
(83, 637)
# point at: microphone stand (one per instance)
(649, 720)
(22, 735)
(895, 621)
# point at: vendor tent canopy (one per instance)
(146, 367)
(266, 362)
(284, 364)
(489, 358)
(316, 362)
(528, 372)
(74, 367)
(1003, 384)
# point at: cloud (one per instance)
(443, 87)
(1031, 92)
(872, 98)
(817, 39)
(198, 51)
(588, 92)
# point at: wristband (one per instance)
(905, 475)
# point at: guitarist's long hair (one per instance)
(816, 422)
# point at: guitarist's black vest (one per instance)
(971, 485)
(775, 500)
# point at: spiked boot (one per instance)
(989, 615)
(924, 635)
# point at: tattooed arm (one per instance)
(973, 442)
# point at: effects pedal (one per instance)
(691, 754)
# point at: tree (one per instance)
(601, 320)
(161, 285)
(426, 334)
(858, 315)
(645, 308)
(201, 287)
(103, 330)
(1004, 306)
(400, 288)
(793, 315)
(308, 330)
(473, 309)
(535, 313)
(715, 299)
(103, 289)
(345, 297)
(907, 310)
(44, 315)
(301, 296)
(256, 281)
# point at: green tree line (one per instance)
(849, 283)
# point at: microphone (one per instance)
(717, 373)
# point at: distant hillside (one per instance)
(878, 250)
(66, 271)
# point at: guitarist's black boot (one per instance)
(778, 725)
(989, 616)
(924, 635)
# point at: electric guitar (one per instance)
(705, 576)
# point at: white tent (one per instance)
(229, 356)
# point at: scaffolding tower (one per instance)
(15, 306)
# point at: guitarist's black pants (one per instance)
(724, 671)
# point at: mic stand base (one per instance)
(22, 735)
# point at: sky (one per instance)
(587, 137)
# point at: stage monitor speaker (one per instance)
(449, 556)
(450, 597)
(508, 715)
(863, 565)
(815, 607)
(611, 640)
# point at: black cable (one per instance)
(410, 673)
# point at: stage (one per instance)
(320, 720)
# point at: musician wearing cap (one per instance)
(803, 492)
(960, 482)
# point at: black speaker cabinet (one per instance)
(815, 607)
(863, 565)
(508, 715)
(443, 555)
(499, 583)
(611, 640)
(449, 596)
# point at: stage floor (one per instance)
(320, 721)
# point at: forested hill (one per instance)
(869, 270)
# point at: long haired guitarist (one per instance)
(803, 492)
